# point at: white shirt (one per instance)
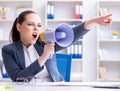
(30, 56)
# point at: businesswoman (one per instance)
(28, 56)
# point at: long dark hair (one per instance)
(14, 34)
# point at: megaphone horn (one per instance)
(63, 35)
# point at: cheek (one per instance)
(25, 33)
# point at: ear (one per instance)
(18, 26)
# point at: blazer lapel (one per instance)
(39, 46)
(20, 54)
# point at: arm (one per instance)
(84, 27)
(14, 64)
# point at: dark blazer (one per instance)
(14, 59)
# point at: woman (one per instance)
(28, 56)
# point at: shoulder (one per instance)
(12, 46)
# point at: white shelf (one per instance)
(109, 1)
(15, 7)
(6, 24)
(76, 77)
(58, 1)
(109, 60)
(4, 41)
(64, 12)
(108, 49)
(16, 0)
(116, 21)
(5, 80)
(77, 59)
(109, 40)
(6, 20)
(109, 80)
(64, 20)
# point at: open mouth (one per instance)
(34, 35)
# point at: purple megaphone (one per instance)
(63, 35)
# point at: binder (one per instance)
(4, 73)
(77, 11)
(81, 11)
(50, 11)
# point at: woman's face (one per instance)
(30, 29)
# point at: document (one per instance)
(108, 85)
(61, 84)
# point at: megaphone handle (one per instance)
(52, 56)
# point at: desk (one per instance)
(81, 87)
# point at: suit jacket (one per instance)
(14, 59)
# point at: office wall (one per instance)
(90, 63)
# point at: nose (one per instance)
(36, 27)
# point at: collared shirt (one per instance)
(30, 56)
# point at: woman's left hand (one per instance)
(104, 20)
(101, 20)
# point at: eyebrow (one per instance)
(33, 22)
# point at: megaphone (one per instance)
(63, 35)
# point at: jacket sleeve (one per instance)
(13, 64)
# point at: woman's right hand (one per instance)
(47, 52)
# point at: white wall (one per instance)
(89, 58)
(89, 46)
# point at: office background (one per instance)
(89, 58)
(90, 41)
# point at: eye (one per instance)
(30, 24)
(39, 25)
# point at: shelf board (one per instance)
(110, 80)
(64, 0)
(1, 59)
(116, 21)
(109, 40)
(6, 20)
(16, 0)
(64, 20)
(4, 40)
(76, 76)
(77, 59)
(5, 80)
(109, 1)
(109, 60)
(80, 40)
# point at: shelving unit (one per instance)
(14, 8)
(77, 61)
(64, 12)
(76, 70)
(108, 58)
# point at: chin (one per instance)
(33, 42)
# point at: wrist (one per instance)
(42, 60)
(90, 24)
